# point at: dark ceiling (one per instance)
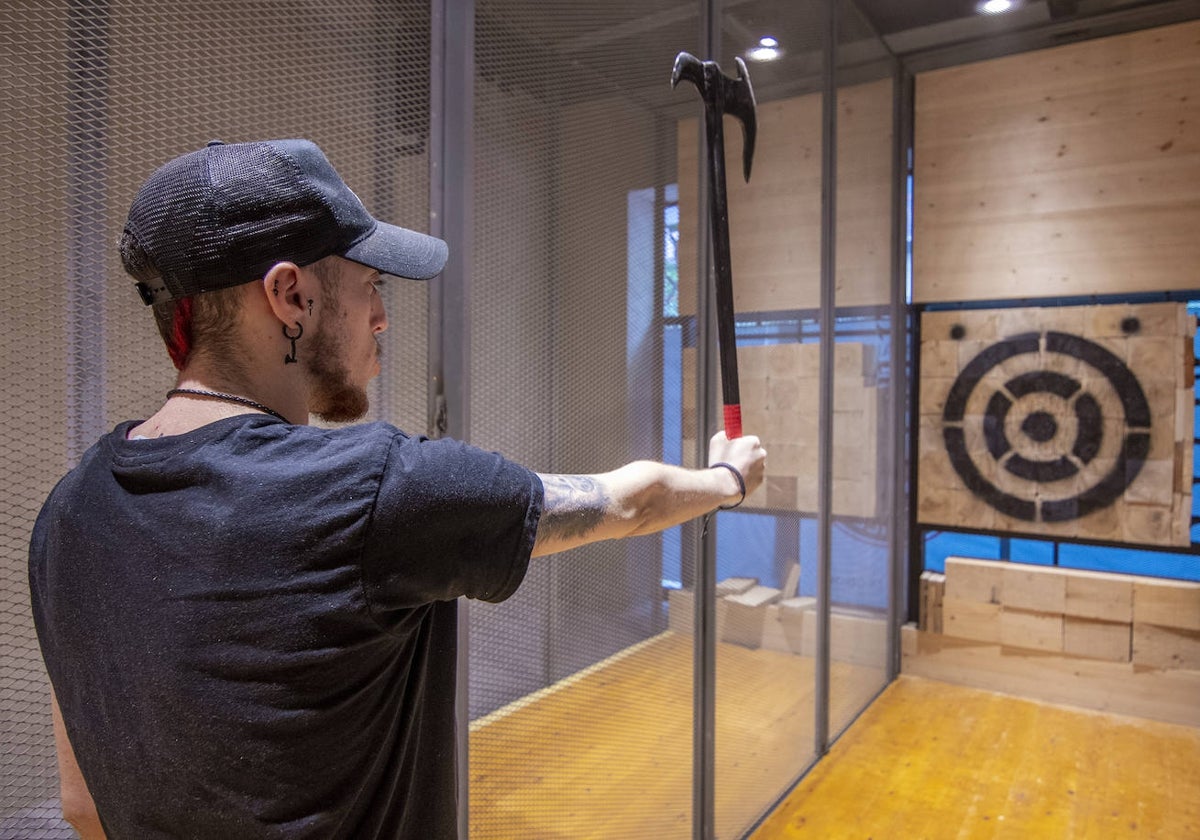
(629, 45)
(891, 16)
(908, 25)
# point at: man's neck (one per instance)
(185, 412)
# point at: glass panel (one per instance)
(864, 375)
(765, 688)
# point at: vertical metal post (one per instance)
(705, 665)
(451, 164)
(825, 423)
(916, 538)
(907, 477)
(898, 527)
(451, 157)
(87, 197)
(388, 121)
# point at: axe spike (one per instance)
(687, 66)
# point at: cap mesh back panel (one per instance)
(101, 93)
(581, 709)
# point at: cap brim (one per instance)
(400, 252)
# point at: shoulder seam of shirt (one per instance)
(362, 583)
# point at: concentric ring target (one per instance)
(1046, 427)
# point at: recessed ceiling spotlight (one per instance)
(767, 50)
(996, 7)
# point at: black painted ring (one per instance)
(1134, 447)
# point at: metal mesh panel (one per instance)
(99, 93)
(579, 701)
(34, 344)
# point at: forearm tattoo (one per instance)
(574, 505)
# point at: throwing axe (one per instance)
(723, 95)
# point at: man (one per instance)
(249, 622)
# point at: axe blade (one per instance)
(739, 102)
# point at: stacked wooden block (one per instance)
(933, 590)
(1119, 618)
(856, 636)
(756, 616)
(741, 607)
(780, 400)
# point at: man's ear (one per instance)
(283, 287)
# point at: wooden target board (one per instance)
(1059, 422)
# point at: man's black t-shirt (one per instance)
(250, 628)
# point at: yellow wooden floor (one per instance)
(932, 760)
(607, 754)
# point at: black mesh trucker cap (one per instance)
(223, 215)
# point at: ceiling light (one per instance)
(996, 7)
(767, 50)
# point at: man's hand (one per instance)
(745, 454)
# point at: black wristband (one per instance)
(741, 483)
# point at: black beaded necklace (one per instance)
(233, 398)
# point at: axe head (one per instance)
(723, 95)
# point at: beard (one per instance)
(335, 398)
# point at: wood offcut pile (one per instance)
(755, 616)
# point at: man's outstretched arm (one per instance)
(643, 497)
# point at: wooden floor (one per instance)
(607, 753)
(932, 760)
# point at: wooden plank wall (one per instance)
(1067, 171)
(775, 220)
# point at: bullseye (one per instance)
(1040, 426)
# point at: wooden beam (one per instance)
(974, 580)
(1099, 595)
(1110, 640)
(1166, 647)
(1167, 603)
(968, 619)
(1034, 588)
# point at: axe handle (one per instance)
(719, 223)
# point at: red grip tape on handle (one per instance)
(733, 421)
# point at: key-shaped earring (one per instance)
(290, 359)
